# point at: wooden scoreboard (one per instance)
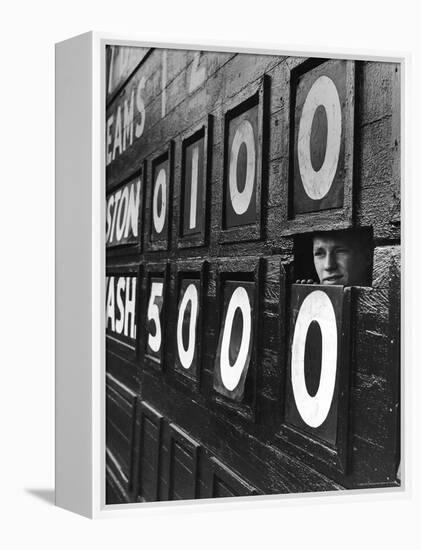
(224, 376)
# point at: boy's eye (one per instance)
(318, 253)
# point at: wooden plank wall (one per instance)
(168, 438)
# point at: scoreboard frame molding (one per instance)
(157, 270)
(132, 247)
(334, 218)
(162, 154)
(333, 459)
(244, 270)
(80, 186)
(128, 270)
(144, 410)
(255, 95)
(205, 127)
(197, 270)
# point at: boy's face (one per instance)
(338, 261)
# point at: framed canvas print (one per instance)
(228, 273)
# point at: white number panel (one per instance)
(235, 339)
(318, 378)
(154, 320)
(187, 331)
(245, 161)
(323, 134)
(242, 169)
(193, 189)
(159, 201)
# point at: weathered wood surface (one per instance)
(249, 453)
(121, 61)
(120, 432)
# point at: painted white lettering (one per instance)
(122, 213)
(111, 304)
(110, 121)
(128, 116)
(108, 222)
(120, 321)
(117, 134)
(130, 307)
(133, 211)
(140, 106)
(116, 201)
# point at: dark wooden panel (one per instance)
(124, 369)
(375, 399)
(124, 214)
(283, 220)
(323, 137)
(245, 148)
(318, 381)
(235, 340)
(379, 155)
(153, 339)
(183, 465)
(120, 425)
(253, 452)
(121, 312)
(148, 469)
(192, 194)
(235, 363)
(226, 483)
(159, 200)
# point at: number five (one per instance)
(154, 341)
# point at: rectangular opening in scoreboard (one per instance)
(124, 214)
(224, 482)
(193, 190)
(321, 167)
(318, 376)
(122, 322)
(120, 434)
(121, 311)
(148, 442)
(245, 158)
(160, 199)
(235, 366)
(155, 317)
(189, 317)
(182, 477)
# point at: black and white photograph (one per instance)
(253, 273)
(210, 294)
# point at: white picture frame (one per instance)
(80, 277)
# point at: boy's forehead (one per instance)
(330, 241)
